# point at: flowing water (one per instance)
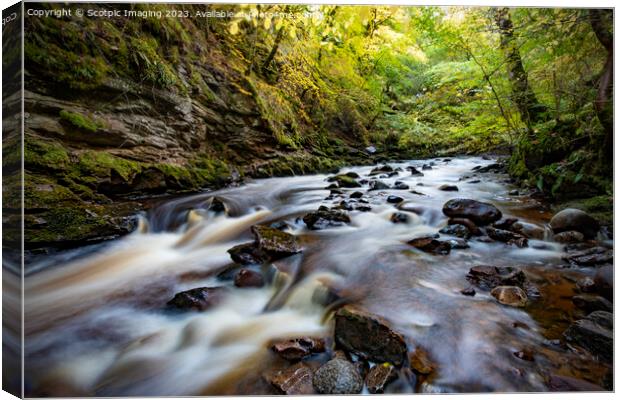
(97, 322)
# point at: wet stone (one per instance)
(448, 188)
(217, 205)
(275, 243)
(294, 380)
(505, 223)
(368, 336)
(431, 245)
(594, 333)
(325, 218)
(378, 185)
(356, 195)
(604, 281)
(249, 278)
(568, 237)
(379, 377)
(363, 208)
(345, 180)
(400, 186)
(586, 285)
(296, 349)
(572, 219)
(488, 276)
(426, 167)
(394, 199)
(337, 376)
(525, 354)
(457, 230)
(399, 218)
(420, 362)
(480, 213)
(591, 257)
(247, 254)
(458, 244)
(590, 303)
(473, 228)
(470, 291)
(414, 171)
(199, 299)
(381, 170)
(510, 296)
(507, 237)
(531, 231)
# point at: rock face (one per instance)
(510, 295)
(369, 336)
(571, 219)
(593, 333)
(294, 380)
(337, 376)
(379, 377)
(477, 211)
(296, 349)
(199, 299)
(325, 218)
(431, 245)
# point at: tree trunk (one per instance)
(601, 22)
(525, 99)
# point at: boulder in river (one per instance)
(531, 231)
(275, 243)
(505, 223)
(507, 237)
(356, 195)
(337, 376)
(477, 211)
(414, 171)
(217, 205)
(379, 376)
(429, 244)
(378, 185)
(247, 254)
(199, 299)
(457, 243)
(448, 188)
(457, 230)
(249, 278)
(400, 186)
(345, 181)
(593, 333)
(572, 219)
(399, 218)
(325, 218)
(298, 348)
(368, 336)
(392, 199)
(489, 277)
(512, 296)
(294, 380)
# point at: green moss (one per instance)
(45, 155)
(81, 121)
(148, 64)
(101, 164)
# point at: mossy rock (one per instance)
(81, 121)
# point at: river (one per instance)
(97, 321)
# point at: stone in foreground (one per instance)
(369, 336)
(296, 349)
(593, 333)
(431, 245)
(294, 380)
(337, 376)
(274, 242)
(572, 219)
(379, 377)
